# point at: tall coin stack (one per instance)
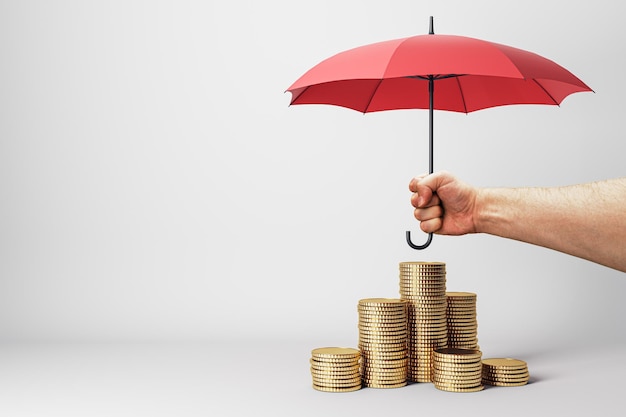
(457, 370)
(462, 322)
(335, 369)
(423, 286)
(382, 341)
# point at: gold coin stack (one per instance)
(457, 370)
(423, 285)
(335, 369)
(505, 372)
(382, 341)
(462, 322)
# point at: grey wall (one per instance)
(154, 183)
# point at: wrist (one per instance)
(484, 214)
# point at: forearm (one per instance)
(587, 220)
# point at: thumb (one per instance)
(427, 186)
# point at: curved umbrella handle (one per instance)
(418, 247)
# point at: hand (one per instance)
(443, 204)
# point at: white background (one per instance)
(155, 186)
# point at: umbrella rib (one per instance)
(547, 93)
(462, 95)
(372, 96)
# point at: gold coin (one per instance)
(455, 389)
(383, 334)
(456, 384)
(424, 325)
(506, 384)
(428, 334)
(331, 389)
(384, 356)
(462, 344)
(457, 375)
(338, 367)
(474, 363)
(336, 360)
(387, 379)
(392, 364)
(468, 338)
(506, 381)
(462, 326)
(326, 380)
(330, 374)
(334, 371)
(461, 314)
(458, 353)
(433, 288)
(414, 285)
(332, 352)
(399, 306)
(325, 364)
(381, 337)
(421, 306)
(377, 385)
(457, 319)
(381, 301)
(423, 282)
(366, 313)
(382, 329)
(504, 363)
(511, 374)
(427, 328)
(384, 381)
(461, 294)
(376, 359)
(456, 371)
(384, 371)
(382, 320)
(387, 347)
(427, 318)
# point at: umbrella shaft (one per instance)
(431, 107)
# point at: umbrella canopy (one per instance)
(470, 74)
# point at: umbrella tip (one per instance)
(431, 29)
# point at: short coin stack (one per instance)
(457, 370)
(335, 369)
(423, 285)
(462, 322)
(505, 372)
(382, 342)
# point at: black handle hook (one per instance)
(418, 247)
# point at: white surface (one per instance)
(251, 377)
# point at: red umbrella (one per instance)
(470, 74)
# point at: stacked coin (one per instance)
(505, 372)
(423, 285)
(462, 323)
(382, 341)
(457, 370)
(335, 369)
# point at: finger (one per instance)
(414, 181)
(434, 181)
(432, 225)
(425, 214)
(434, 201)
